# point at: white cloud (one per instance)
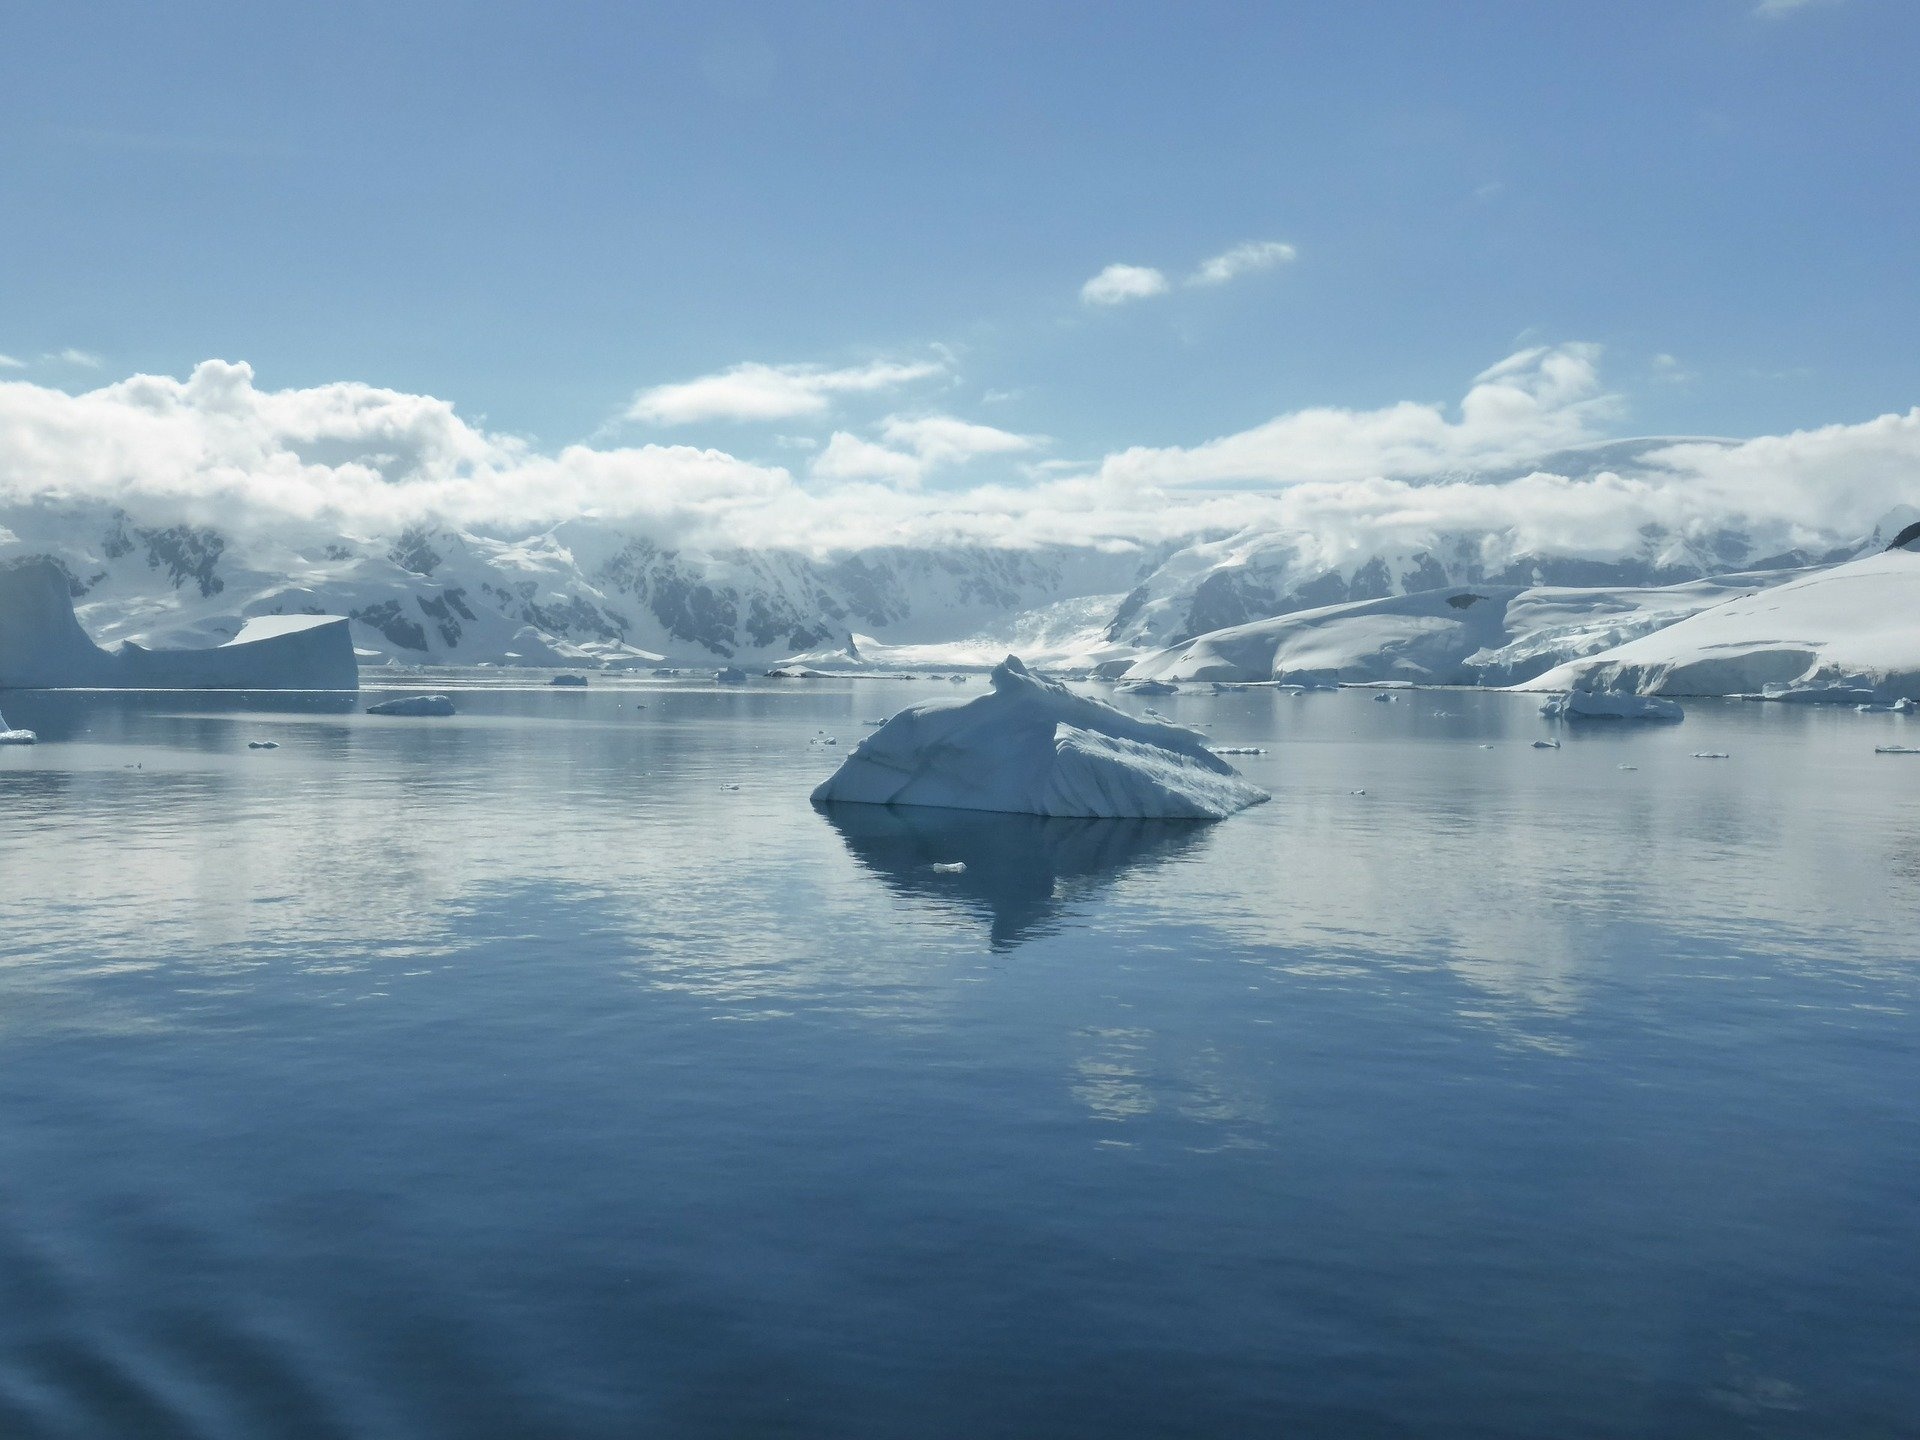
(1117, 284)
(1243, 259)
(919, 445)
(753, 391)
(215, 449)
(1537, 400)
(86, 359)
(7, 362)
(1787, 7)
(943, 440)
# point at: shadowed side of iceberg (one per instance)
(43, 646)
(1033, 747)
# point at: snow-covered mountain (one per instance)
(1841, 627)
(579, 592)
(1227, 580)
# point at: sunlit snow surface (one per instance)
(555, 1070)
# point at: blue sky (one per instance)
(538, 212)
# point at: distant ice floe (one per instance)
(1033, 747)
(573, 682)
(1878, 749)
(263, 744)
(1605, 705)
(15, 737)
(728, 675)
(414, 705)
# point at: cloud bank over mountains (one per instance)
(217, 449)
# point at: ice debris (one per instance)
(416, 705)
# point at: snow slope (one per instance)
(1033, 747)
(1858, 619)
(1466, 636)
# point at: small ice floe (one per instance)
(263, 744)
(729, 787)
(1626, 767)
(1149, 687)
(958, 679)
(1902, 706)
(1880, 749)
(1607, 705)
(728, 675)
(422, 705)
(873, 722)
(15, 737)
(1383, 699)
(1711, 755)
(1238, 750)
(950, 867)
(1356, 792)
(1486, 746)
(568, 682)
(1539, 745)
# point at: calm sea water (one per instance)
(557, 1071)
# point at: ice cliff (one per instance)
(43, 646)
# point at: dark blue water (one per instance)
(515, 1075)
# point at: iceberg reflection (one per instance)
(1021, 870)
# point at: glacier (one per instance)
(1031, 746)
(1846, 630)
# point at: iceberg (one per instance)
(420, 705)
(1032, 747)
(1608, 705)
(15, 737)
(573, 682)
(728, 675)
(44, 647)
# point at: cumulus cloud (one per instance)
(85, 359)
(1118, 284)
(1541, 399)
(914, 447)
(753, 391)
(1243, 259)
(7, 362)
(216, 449)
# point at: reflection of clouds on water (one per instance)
(1022, 872)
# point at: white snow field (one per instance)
(43, 646)
(1478, 635)
(1033, 747)
(1842, 630)
(1610, 705)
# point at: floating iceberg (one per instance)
(1878, 749)
(15, 737)
(1033, 747)
(1607, 705)
(1150, 687)
(568, 681)
(420, 705)
(728, 675)
(42, 646)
